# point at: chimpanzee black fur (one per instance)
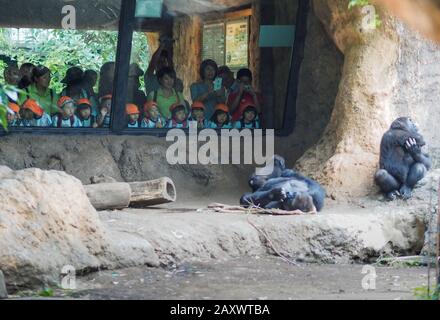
(284, 189)
(402, 162)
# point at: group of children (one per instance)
(180, 117)
(80, 113)
(71, 114)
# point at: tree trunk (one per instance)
(154, 192)
(109, 196)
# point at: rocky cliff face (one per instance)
(388, 72)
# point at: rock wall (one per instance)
(388, 72)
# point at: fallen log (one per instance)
(109, 196)
(120, 195)
(151, 193)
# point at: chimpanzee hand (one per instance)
(412, 146)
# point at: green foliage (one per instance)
(358, 3)
(46, 292)
(60, 49)
(362, 3)
(422, 293)
(3, 111)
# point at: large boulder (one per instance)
(47, 223)
(3, 292)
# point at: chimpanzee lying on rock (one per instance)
(284, 189)
(402, 163)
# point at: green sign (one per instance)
(277, 36)
(149, 8)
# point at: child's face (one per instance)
(167, 82)
(222, 117)
(249, 116)
(84, 113)
(11, 117)
(28, 114)
(180, 116)
(107, 103)
(133, 118)
(154, 113)
(68, 110)
(198, 114)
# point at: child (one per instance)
(84, 113)
(249, 120)
(153, 119)
(13, 112)
(66, 118)
(105, 106)
(198, 114)
(221, 118)
(178, 116)
(132, 112)
(33, 115)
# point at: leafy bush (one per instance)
(61, 49)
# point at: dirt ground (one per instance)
(251, 278)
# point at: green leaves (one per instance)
(360, 3)
(61, 49)
(3, 110)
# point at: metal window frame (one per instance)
(118, 120)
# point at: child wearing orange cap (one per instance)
(221, 118)
(33, 115)
(178, 116)
(84, 113)
(105, 106)
(132, 112)
(198, 114)
(13, 114)
(153, 119)
(66, 118)
(249, 119)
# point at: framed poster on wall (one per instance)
(237, 43)
(214, 42)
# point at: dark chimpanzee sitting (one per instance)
(284, 189)
(402, 162)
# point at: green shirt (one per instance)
(164, 104)
(48, 101)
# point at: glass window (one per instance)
(61, 58)
(205, 63)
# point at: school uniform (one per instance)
(87, 123)
(133, 125)
(252, 125)
(71, 122)
(205, 122)
(177, 125)
(213, 125)
(152, 124)
(43, 121)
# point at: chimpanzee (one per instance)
(402, 162)
(285, 189)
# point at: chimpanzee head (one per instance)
(406, 124)
(302, 201)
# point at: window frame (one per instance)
(127, 21)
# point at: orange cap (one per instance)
(64, 100)
(198, 105)
(108, 96)
(33, 106)
(222, 107)
(14, 107)
(174, 106)
(131, 109)
(84, 101)
(149, 105)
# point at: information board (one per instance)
(237, 43)
(214, 42)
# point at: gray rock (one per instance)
(3, 292)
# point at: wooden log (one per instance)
(150, 193)
(109, 196)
